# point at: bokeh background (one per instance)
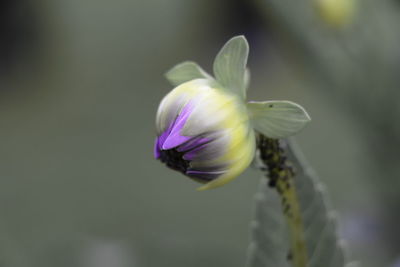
(80, 82)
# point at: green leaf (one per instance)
(230, 65)
(270, 243)
(277, 119)
(269, 240)
(184, 72)
(324, 247)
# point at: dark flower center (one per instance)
(174, 160)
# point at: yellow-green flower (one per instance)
(336, 13)
(206, 130)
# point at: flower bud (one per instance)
(205, 128)
(204, 132)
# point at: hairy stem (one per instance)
(280, 175)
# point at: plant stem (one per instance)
(280, 175)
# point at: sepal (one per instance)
(230, 65)
(277, 119)
(186, 71)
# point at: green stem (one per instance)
(280, 175)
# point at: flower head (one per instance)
(204, 133)
(206, 130)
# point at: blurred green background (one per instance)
(80, 82)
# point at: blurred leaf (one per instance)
(278, 119)
(358, 66)
(184, 72)
(230, 65)
(319, 220)
(269, 246)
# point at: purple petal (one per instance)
(175, 138)
(157, 151)
(192, 153)
(161, 139)
(207, 176)
(191, 144)
(163, 136)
